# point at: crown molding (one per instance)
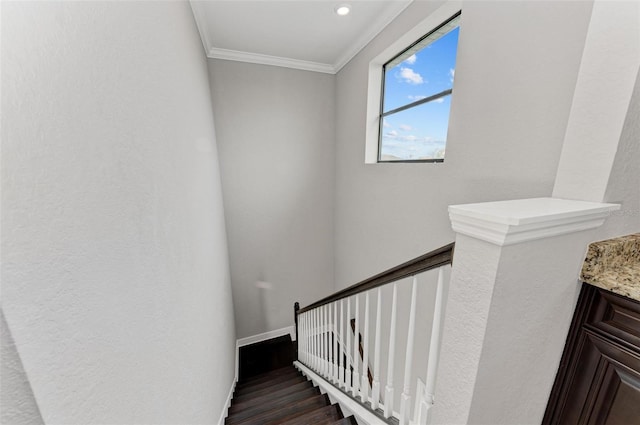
(511, 222)
(201, 23)
(235, 55)
(396, 8)
(213, 52)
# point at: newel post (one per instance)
(514, 284)
(296, 307)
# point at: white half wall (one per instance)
(115, 280)
(509, 307)
(276, 135)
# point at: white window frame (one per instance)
(374, 91)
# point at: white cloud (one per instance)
(405, 127)
(409, 76)
(439, 100)
(392, 134)
(411, 59)
(452, 73)
(385, 124)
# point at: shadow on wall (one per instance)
(17, 403)
(269, 296)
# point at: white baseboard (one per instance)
(291, 330)
(225, 409)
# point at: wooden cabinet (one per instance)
(598, 381)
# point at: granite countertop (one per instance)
(614, 265)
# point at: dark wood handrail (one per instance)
(436, 258)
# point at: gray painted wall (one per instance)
(624, 180)
(515, 76)
(115, 280)
(276, 134)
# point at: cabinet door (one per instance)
(615, 390)
(599, 379)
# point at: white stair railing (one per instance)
(327, 330)
(388, 393)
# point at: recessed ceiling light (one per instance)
(343, 9)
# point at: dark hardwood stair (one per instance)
(284, 397)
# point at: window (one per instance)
(416, 97)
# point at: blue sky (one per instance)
(419, 132)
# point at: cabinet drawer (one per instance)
(616, 318)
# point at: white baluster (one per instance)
(327, 342)
(347, 367)
(316, 340)
(308, 332)
(405, 400)
(335, 343)
(306, 338)
(375, 389)
(319, 340)
(364, 387)
(331, 356)
(434, 351)
(309, 338)
(341, 348)
(301, 337)
(323, 344)
(356, 352)
(388, 391)
(312, 339)
(327, 350)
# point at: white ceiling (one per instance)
(301, 34)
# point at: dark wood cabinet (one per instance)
(598, 381)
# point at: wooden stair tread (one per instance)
(272, 385)
(321, 416)
(243, 414)
(267, 378)
(267, 398)
(242, 385)
(283, 396)
(267, 375)
(287, 412)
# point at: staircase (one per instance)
(282, 396)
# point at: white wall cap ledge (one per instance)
(521, 220)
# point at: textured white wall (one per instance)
(624, 181)
(508, 313)
(115, 281)
(513, 91)
(607, 73)
(275, 130)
